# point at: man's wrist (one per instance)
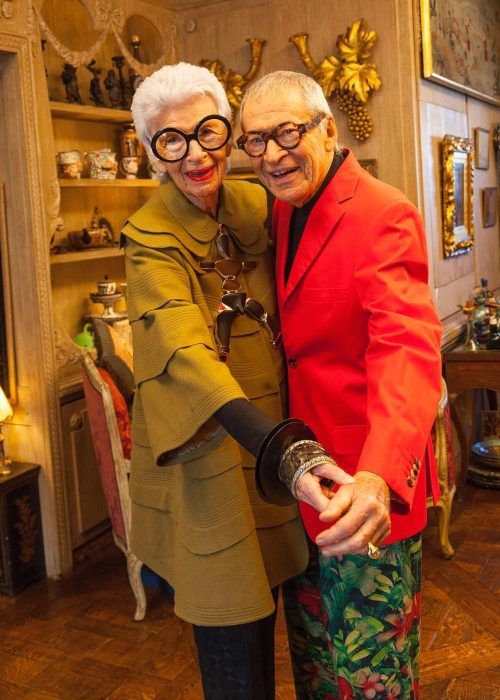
(376, 478)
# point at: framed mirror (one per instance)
(458, 195)
(7, 365)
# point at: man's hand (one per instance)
(362, 513)
(310, 489)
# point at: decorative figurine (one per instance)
(468, 309)
(113, 87)
(95, 89)
(69, 165)
(124, 88)
(129, 142)
(129, 166)
(68, 76)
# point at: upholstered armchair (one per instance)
(446, 472)
(112, 450)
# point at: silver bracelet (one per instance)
(297, 454)
(294, 446)
(307, 466)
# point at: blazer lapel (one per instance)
(321, 223)
(282, 213)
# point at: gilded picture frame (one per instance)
(490, 205)
(458, 195)
(482, 148)
(7, 357)
(461, 44)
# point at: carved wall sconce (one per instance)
(458, 195)
(349, 76)
(235, 83)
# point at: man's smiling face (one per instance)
(295, 175)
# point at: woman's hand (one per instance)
(310, 489)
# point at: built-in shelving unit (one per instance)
(88, 182)
(67, 110)
(81, 255)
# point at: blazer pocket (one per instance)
(320, 295)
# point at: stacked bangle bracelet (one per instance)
(299, 458)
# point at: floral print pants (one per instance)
(353, 625)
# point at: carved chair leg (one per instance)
(444, 514)
(134, 567)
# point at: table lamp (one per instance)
(5, 414)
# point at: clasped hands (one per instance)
(359, 510)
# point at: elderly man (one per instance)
(361, 337)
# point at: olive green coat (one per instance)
(196, 516)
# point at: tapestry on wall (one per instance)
(461, 45)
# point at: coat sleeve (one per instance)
(180, 379)
(403, 360)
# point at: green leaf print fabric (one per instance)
(353, 624)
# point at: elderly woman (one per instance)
(201, 302)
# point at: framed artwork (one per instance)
(490, 195)
(461, 46)
(482, 148)
(458, 195)
(370, 165)
(7, 365)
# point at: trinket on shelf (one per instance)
(68, 76)
(124, 88)
(95, 89)
(99, 234)
(468, 309)
(107, 295)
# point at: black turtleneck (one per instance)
(301, 214)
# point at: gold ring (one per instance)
(373, 550)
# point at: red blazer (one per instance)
(362, 338)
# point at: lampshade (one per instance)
(5, 407)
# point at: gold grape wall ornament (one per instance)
(349, 76)
(235, 83)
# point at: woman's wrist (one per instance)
(299, 458)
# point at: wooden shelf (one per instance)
(67, 110)
(88, 182)
(79, 255)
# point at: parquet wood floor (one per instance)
(75, 638)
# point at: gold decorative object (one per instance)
(349, 76)
(234, 83)
(458, 195)
(468, 309)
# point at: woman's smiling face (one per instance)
(200, 173)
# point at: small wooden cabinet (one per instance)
(22, 558)
(87, 512)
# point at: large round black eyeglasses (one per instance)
(286, 135)
(211, 133)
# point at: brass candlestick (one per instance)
(468, 309)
